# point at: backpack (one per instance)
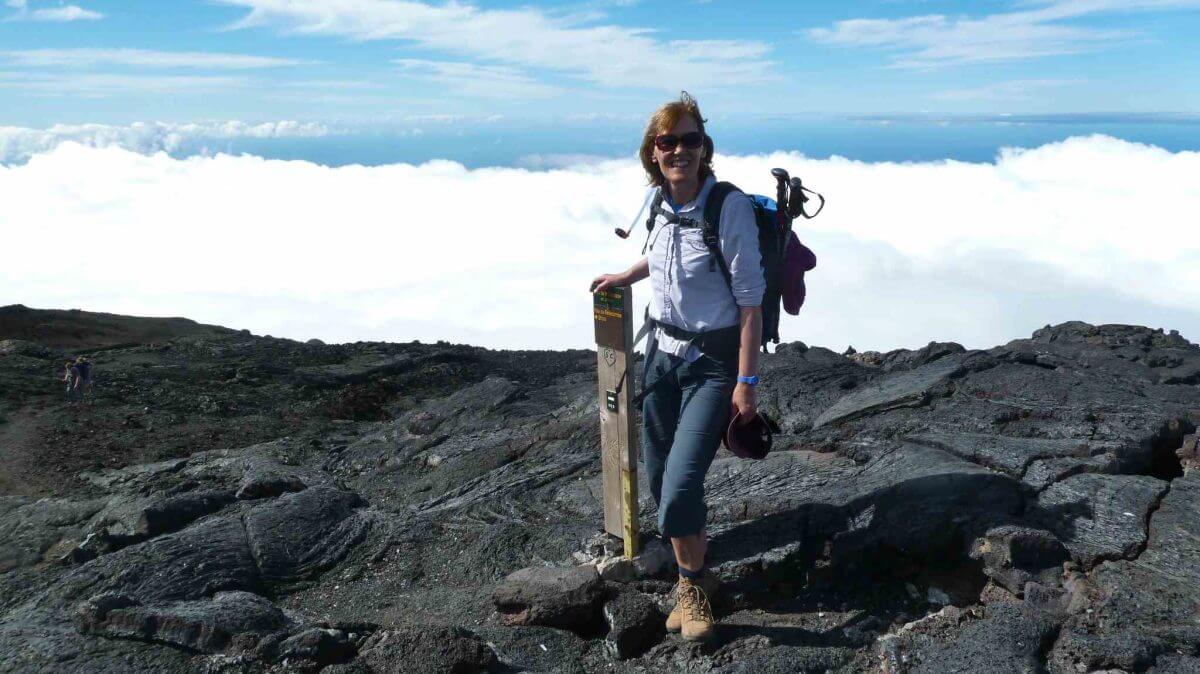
(784, 258)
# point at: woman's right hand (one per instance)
(606, 281)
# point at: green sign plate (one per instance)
(609, 315)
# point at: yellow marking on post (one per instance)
(629, 512)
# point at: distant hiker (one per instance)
(69, 379)
(83, 377)
(703, 348)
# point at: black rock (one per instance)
(20, 347)
(436, 650)
(634, 624)
(260, 484)
(910, 500)
(1015, 556)
(319, 645)
(903, 359)
(175, 512)
(791, 660)
(1126, 650)
(1009, 639)
(201, 625)
(1100, 517)
(355, 371)
(297, 535)
(542, 649)
(1052, 600)
(1176, 664)
(210, 556)
(904, 389)
(1157, 595)
(1010, 455)
(566, 597)
(30, 527)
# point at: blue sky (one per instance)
(953, 140)
(376, 63)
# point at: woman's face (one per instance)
(680, 165)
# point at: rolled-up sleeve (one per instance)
(739, 245)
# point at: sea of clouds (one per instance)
(18, 144)
(1091, 228)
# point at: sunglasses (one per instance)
(669, 141)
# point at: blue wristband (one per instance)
(753, 381)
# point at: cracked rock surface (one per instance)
(232, 503)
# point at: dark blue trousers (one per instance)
(683, 419)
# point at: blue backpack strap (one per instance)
(712, 226)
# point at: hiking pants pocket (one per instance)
(683, 419)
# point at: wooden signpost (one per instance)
(612, 311)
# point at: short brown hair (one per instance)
(662, 121)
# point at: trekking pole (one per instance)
(781, 203)
(624, 233)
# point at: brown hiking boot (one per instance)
(697, 614)
(692, 614)
(708, 582)
(675, 619)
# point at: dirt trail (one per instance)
(18, 443)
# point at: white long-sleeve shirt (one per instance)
(687, 288)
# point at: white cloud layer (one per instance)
(18, 144)
(1095, 228)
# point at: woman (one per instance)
(703, 350)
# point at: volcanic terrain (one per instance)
(226, 502)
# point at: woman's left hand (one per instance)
(745, 403)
